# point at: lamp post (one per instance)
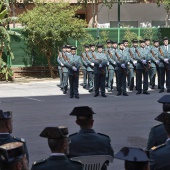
(118, 15)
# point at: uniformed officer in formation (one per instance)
(154, 63)
(100, 63)
(6, 128)
(164, 66)
(87, 141)
(61, 58)
(159, 155)
(121, 58)
(142, 68)
(132, 63)
(59, 146)
(73, 63)
(13, 157)
(135, 158)
(90, 67)
(84, 65)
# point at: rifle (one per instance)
(165, 64)
(132, 56)
(63, 55)
(103, 72)
(111, 56)
(145, 68)
(83, 57)
(88, 57)
(156, 58)
(124, 70)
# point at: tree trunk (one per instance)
(50, 67)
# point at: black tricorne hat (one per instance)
(108, 41)
(132, 154)
(11, 152)
(55, 132)
(5, 115)
(73, 48)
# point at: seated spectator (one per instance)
(160, 155)
(6, 128)
(135, 158)
(13, 157)
(87, 141)
(58, 143)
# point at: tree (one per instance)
(48, 25)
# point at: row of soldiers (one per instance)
(14, 153)
(116, 59)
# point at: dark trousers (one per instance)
(163, 71)
(60, 71)
(90, 79)
(65, 80)
(99, 80)
(152, 73)
(121, 80)
(84, 76)
(74, 81)
(131, 78)
(110, 79)
(141, 72)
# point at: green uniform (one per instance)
(142, 68)
(100, 72)
(121, 69)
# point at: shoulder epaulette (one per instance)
(39, 162)
(73, 134)
(157, 147)
(76, 161)
(19, 139)
(103, 135)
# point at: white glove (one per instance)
(92, 64)
(157, 61)
(108, 63)
(123, 66)
(74, 68)
(100, 65)
(135, 62)
(166, 60)
(62, 64)
(144, 61)
(114, 62)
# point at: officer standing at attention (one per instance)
(135, 158)
(60, 65)
(62, 57)
(100, 63)
(84, 65)
(108, 47)
(58, 143)
(142, 67)
(121, 58)
(13, 157)
(164, 66)
(159, 155)
(154, 63)
(87, 141)
(6, 128)
(132, 63)
(157, 134)
(73, 64)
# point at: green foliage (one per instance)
(148, 33)
(130, 36)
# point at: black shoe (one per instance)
(77, 97)
(103, 95)
(61, 88)
(159, 87)
(118, 94)
(139, 92)
(71, 96)
(65, 92)
(145, 92)
(90, 90)
(168, 90)
(131, 88)
(125, 94)
(84, 86)
(96, 95)
(153, 87)
(161, 91)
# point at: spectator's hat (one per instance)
(55, 132)
(11, 152)
(5, 115)
(165, 100)
(82, 112)
(114, 42)
(164, 117)
(64, 46)
(132, 154)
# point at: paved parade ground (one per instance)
(35, 105)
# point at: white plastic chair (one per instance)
(93, 162)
